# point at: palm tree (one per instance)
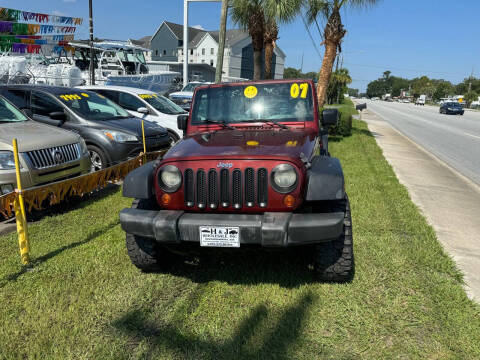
(249, 14)
(338, 85)
(276, 11)
(333, 34)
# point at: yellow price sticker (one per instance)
(252, 143)
(68, 97)
(299, 89)
(84, 94)
(147, 96)
(250, 92)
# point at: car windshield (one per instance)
(192, 86)
(92, 106)
(9, 113)
(162, 104)
(452, 104)
(288, 102)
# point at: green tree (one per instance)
(333, 34)
(276, 11)
(291, 73)
(338, 85)
(470, 97)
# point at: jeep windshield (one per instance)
(162, 104)
(275, 102)
(8, 112)
(92, 106)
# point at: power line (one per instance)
(310, 35)
(404, 69)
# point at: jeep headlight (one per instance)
(7, 162)
(169, 178)
(120, 137)
(284, 178)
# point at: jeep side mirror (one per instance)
(361, 107)
(182, 121)
(57, 115)
(143, 110)
(329, 117)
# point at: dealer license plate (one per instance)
(219, 236)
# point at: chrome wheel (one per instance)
(96, 160)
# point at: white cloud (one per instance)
(199, 27)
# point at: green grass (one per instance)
(82, 298)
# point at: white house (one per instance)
(167, 50)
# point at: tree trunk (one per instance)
(257, 64)
(326, 71)
(333, 35)
(268, 59)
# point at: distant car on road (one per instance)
(184, 97)
(453, 108)
(144, 104)
(111, 133)
(46, 153)
(421, 100)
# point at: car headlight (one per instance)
(7, 162)
(83, 146)
(284, 178)
(169, 178)
(120, 137)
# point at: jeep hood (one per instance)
(32, 135)
(245, 144)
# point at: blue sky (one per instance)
(438, 38)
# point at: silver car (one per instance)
(46, 153)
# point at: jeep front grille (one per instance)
(226, 188)
(54, 156)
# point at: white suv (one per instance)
(144, 104)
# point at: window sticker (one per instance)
(252, 143)
(250, 92)
(299, 89)
(84, 94)
(148, 96)
(68, 97)
(292, 143)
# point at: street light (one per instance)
(185, 36)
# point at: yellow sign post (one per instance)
(144, 145)
(20, 215)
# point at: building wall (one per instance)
(202, 54)
(164, 41)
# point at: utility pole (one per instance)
(221, 42)
(92, 64)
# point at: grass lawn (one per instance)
(82, 298)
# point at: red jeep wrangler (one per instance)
(252, 170)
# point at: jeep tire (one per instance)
(334, 259)
(145, 253)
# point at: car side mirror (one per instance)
(182, 121)
(57, 115)
(143, 110)
(361, 107)
(329, 117)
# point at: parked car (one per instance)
(144, 104)
(253, 170)
(453, 108)
(184, 97)
(112, 135)
(46, 153)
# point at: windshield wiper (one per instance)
(283, 126)
(222, 123)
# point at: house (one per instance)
(167, 49)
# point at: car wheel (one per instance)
(145, 253)
(173, 136)
(97, 158)
(334, 260)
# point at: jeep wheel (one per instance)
(145, 253)
(334, 260)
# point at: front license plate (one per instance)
(219, 236)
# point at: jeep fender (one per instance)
(325, 179)
(138, 184)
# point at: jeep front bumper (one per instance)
(271, 229)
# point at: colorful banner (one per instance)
(19, 15)
(32, 29)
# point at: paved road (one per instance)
(453, 139)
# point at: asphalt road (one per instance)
(454, 139)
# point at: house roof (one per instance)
(232, 36)
(143, 42)
(177, 30)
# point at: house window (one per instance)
(173, 53)
(164, 52)
(181, 52)
(211, 62)
(212, 51)
(203, 51)
(191, 51)
(203, 61)
(156, 52)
